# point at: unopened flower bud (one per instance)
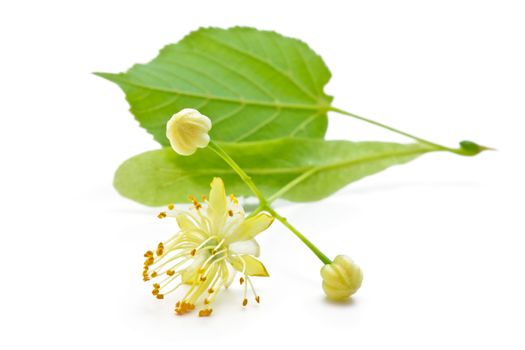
(341, 278)
(188, 130)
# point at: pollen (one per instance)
(205, 312)
(183, 307)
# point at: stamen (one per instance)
(253, 289)
(244, 302)
(205, 312)
(171, 206)
(241, 280)
(230, 212)
(162, 215)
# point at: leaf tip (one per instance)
(108, 76)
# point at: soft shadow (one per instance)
(341, 303)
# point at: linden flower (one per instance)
(188, 130)
(341, 278)
(214, 242)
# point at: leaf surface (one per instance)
(253, 84)
(308, 169)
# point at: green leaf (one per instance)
(308, 169)
(254, 85)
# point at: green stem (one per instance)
(264, 203)
(461, 151)
(245, 177)
(299, 235)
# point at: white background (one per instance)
(440, 240)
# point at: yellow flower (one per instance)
(214, 242)
(188, 130)
(341, 278)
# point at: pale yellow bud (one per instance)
(188, 130)
(341, 278)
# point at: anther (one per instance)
(203, 278)
(193, 252)
(154, 274)
(241, 280)
(156, 285)
(171, 206)
(148, 254)
(155, 291)
(160, 296)
(203, 198)
(230, 212)
(244, 302)
(162, 215)
(205, 312)
(170, 272)
(211, 290)
(206, 301)
(258, 299)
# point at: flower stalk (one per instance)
(264, 204)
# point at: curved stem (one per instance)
(264, 204)
(245, 177)
(305, 240)
(459, 151)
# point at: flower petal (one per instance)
(251, 227)
(249, 247)
(250, 267)
(189, 275)
(217, 205)
(185, 222)
(228, 274)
